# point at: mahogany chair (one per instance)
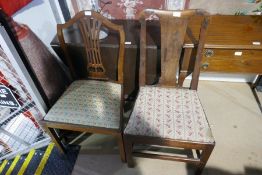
(167, 116)
(95, 103)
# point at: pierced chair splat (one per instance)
(166, 114)
(93, 104)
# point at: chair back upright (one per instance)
(173, 27)
(90, 24)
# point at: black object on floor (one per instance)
(45, 161)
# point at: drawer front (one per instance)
(232, 61)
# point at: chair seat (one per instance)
(169, 113)
(89, 102)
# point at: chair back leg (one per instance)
(129, 150)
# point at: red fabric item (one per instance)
(12, 6)
(19, 30)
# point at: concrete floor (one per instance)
(236, 122)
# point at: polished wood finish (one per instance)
(229, 30)
(199, 52)
(232, 60)
(89, 24)
(173, 32)
(227, 35)
(90, 29)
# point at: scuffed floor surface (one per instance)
(236, 122)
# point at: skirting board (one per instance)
(227, 77)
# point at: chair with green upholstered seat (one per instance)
(93, 104)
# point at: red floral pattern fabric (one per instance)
(169, 113)
(130, 9)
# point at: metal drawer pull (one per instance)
(205, 65)
(209, 53)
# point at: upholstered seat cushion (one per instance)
(169, 113)
(89, 102)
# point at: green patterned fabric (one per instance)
(89, 102)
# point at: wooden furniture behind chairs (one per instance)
(226, 35)
(165, 114)
(87, 105)
(233, 45)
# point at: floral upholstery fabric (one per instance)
(91, 103)
(169, 113)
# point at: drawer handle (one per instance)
(205, 65)
(209, 53)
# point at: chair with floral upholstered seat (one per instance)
(165, 115)
(94, 104)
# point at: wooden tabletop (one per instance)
(225, 31)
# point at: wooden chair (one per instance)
(166, 114)
(94, 104)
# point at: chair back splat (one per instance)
(90, 24)
(173, 34)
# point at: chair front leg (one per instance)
(52, 133)
(129, 150)
(121, 147)
(204, 158)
